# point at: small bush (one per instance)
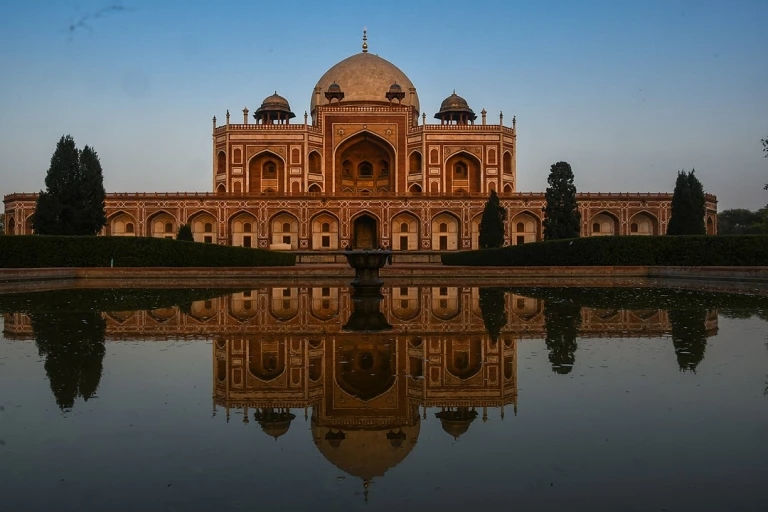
(688, 251)
(37, 251)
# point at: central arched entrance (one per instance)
(365, 233)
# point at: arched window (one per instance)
(596, 227)
(443, 227)
(384, 168)
(286, 227)
(129, 227)
(295, 156)
(433, 156)
(633, 227)
(314, 162)
(325, 227)
(520, 227)
(168, 227)
(270, 170)
(404, 227)
(491, 156)
(221, 189)
(238, 156)
(460, 170)
(12, 226)
(208, 227)
(221, 163)
(365, 169)
(247, 227)
(347, 168)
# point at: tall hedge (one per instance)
(736, 250)
(37, 251)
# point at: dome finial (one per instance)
(365, 40)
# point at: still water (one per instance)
(454, 397)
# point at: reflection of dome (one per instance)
(366, 453)
(456, 422)
(365, 77)
(274, 423)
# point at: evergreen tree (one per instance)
(185, 233)
(765, 148)
(688, 206)
(2, 223)
(492, 223)
(73, 202)
(562, 218)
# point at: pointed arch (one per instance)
(11, 228)
(474, 231)
(315, 189)
(446, 228)
(406, 302)
(158, 225)
(604, 223)
(325, 231)
(366, 226)
(284, 231)
(324, 303)
(464, 358)
(446, 303)
(415, 163)
(243, 229)
(462, 172)
(506, 167)
(643, 223)
(405, 231)
(266, 173)
(266, 361)
(365, 371)
(221, 162)
(315, 162)
(204, 226)
(284, 303)
(121, 223)
(365, 161)
(415, 188)
(525, 227)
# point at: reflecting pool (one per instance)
(457, 397)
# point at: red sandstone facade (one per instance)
(365, 171)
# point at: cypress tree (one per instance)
(688, 206)
(562, 218)
(492, 223)
(185, 233)
(73, 202)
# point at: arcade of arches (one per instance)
(366, 160)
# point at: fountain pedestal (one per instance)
(366, 301)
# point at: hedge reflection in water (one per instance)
(72, 342)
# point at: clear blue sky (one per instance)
(627, 92)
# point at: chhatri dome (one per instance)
(364, 78)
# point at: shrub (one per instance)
(37, 251)
(744, 250)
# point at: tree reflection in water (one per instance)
(562, 321)
(689, 336)
(493, 309)
(73, 346)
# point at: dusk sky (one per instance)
(627, 92)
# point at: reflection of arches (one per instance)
(366, 161)
(604, 224)
(266, 173)
(242, 306)
(445, 232)
(414, 163)
(405, 302)
(365, 232)
(203, 310)
(464, 358)
(284, 303)
(643, 223)
(325, 232)
(325, 303)
(162, 315)
(284, 232)
(315, 165)
(445, 302)
(315, 369)
(462, 173)
(121, 224)
(363, 370)
(203, 226)
(266, 360)
(525, 228)
(162, 225)
(243, 228)
(405, 232)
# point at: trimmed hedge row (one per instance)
(689, 251)
(36, 251)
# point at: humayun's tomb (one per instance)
(364, 169)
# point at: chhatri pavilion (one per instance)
(362, 169)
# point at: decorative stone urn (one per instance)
(366, 301)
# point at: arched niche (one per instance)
(242, 226)
(122, 224)
(204, 310)
(415, 188)
(221, 189)
(525, 228)
(363, 370)
(446, 302)
(365, 231)
(710, 226)
(445, 232)
(507, 163)
(474, 231)
(11, 227)
(266, 360)
(315, 163)
(365, 162)
(284, 232)
(406, 302)
(604, 224)
(415, 165)
(203, 226)
(162, 225)
(464, 358)
(221, 162)
(315, 189)
(644, 224)
(284, 303)
(462, 173)
(243, 305)
(405, 232)
(325, 232)
(266, 174)
(325, 302)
